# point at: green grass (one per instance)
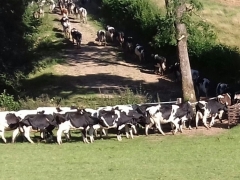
(224, 18)
(177, 157)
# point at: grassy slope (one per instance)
(155, 157)
(224, 18)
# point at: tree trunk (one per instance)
(187, 83)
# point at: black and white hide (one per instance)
(43, 123)
(139, 52)
(101, 36)
(160, 64)
(65, 22)
(209, 109)
(9, 122)
(77, 36)
(75, 120)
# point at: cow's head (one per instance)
(59, 118)
(12, 120)
(225, 99)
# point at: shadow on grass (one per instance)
(67, 86)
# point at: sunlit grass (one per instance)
(154, 157)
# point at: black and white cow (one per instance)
(8, 122)
(129, 44)
(160, 64)
(110, 32)
(43, 123)
(65, 22)
(119, 37)
(70, 7)
(81, 120)
(221, 88)
(211, 108)
(203, 87)
(119, 119)
(76, 35)
(139, 52)
(177, 72)
(174, 114)
(101, 35)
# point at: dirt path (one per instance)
(103, 67)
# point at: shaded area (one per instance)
(66, 86)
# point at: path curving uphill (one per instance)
(98, 67)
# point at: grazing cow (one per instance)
(9, 121)
(139, 52)
(110, 31)
(77, 36)
(44, 123)
(66, 26)
(177, 72)
(119, 36)
(210, 108)
(160, 65)
(76, 120)
(101, 35)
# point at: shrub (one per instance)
(7, 102)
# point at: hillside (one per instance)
(224, 15)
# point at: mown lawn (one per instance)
(177, 157)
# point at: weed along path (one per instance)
(102, 69)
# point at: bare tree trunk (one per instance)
(187, 83)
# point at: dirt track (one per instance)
(104, 68)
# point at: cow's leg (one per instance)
(91, 131)
(119, 138)
(204, 119)
(84, 135)
(27, 133)
(127, 130)
(15, 133)
(147, 126)
(67, 135)
(220, 115)
(131, 131)
(59, 135)
(158, 126)
(198, 116)
(212, 120)
(2, 135)
(133, 127)
(175, 123)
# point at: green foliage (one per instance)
(143, 19)
(132, 16)
(7, 102)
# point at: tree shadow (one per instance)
(66, 86)
(57, 30)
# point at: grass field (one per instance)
(224, 17)
(154, 157)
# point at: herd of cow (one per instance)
(130, 117)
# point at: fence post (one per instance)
(179, 101)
